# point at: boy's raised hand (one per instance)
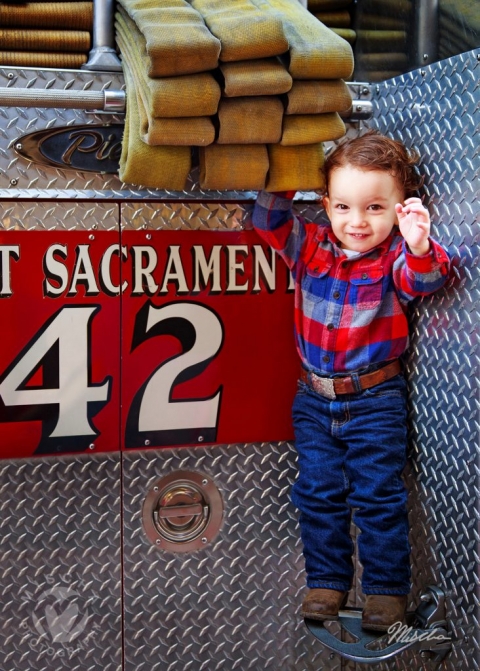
(414, 222)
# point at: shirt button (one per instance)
(336, 294)
(364, 276)
(330, 327)
(326, 358)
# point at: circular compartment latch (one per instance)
(183, 511)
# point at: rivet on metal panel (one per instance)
(149, 236)
(423, 73)
(14, 182)
(18, 146)
(200, 439)
(10, 75)
(147, 442)
(94, 227)
(91, 237)
(91, 446)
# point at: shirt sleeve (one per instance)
(421, 275)
(275, 222)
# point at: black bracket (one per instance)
(425, 631)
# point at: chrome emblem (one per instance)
(86, 148)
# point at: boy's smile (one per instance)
(361, 206)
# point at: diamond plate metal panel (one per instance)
(235, 603)
(179, 215)
(60, 216)
(22, 178)
(436, 109)
(60, 564)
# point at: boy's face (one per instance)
(361, 206)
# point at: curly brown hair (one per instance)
(373, 151)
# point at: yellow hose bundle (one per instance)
(194, 95)
(265, 76)
(244, 31)
(187, 132)
(346, 34)
(315, 51)
(311, 129)
(328, 5)
(311, 97)
(386, 60)
(21, 39)
(142, 165)
(382, 40)
(174, 130)
(177, 40)
(233, 167)
(295, 168)
(70, 15)
(398, 8)
(250, 120)
(166, 113)
(374, 22)
(335, 19)
(38, 59)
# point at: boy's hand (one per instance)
(414, 222)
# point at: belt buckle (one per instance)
(324, 386)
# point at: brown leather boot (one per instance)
(383, 610)
(323, 604)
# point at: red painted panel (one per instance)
(205, 359)
(204, 329)
(60, 344)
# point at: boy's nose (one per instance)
(358, 219)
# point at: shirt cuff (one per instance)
(279, 200)
(436, 256)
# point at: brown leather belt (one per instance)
(331, 387)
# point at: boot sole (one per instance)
(318, 618)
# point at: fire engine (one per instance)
(147, 364)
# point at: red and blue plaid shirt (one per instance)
(349, 312)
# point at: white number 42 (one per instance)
(67, 399)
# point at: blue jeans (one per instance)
(351, 454)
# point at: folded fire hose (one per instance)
(257, 88)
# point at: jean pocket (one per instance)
(367, 289)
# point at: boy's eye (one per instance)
(341, 206)
(375, 207)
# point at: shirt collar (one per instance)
(380, 249)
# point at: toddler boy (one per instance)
(353, 282)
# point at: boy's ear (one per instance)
(326, 205)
